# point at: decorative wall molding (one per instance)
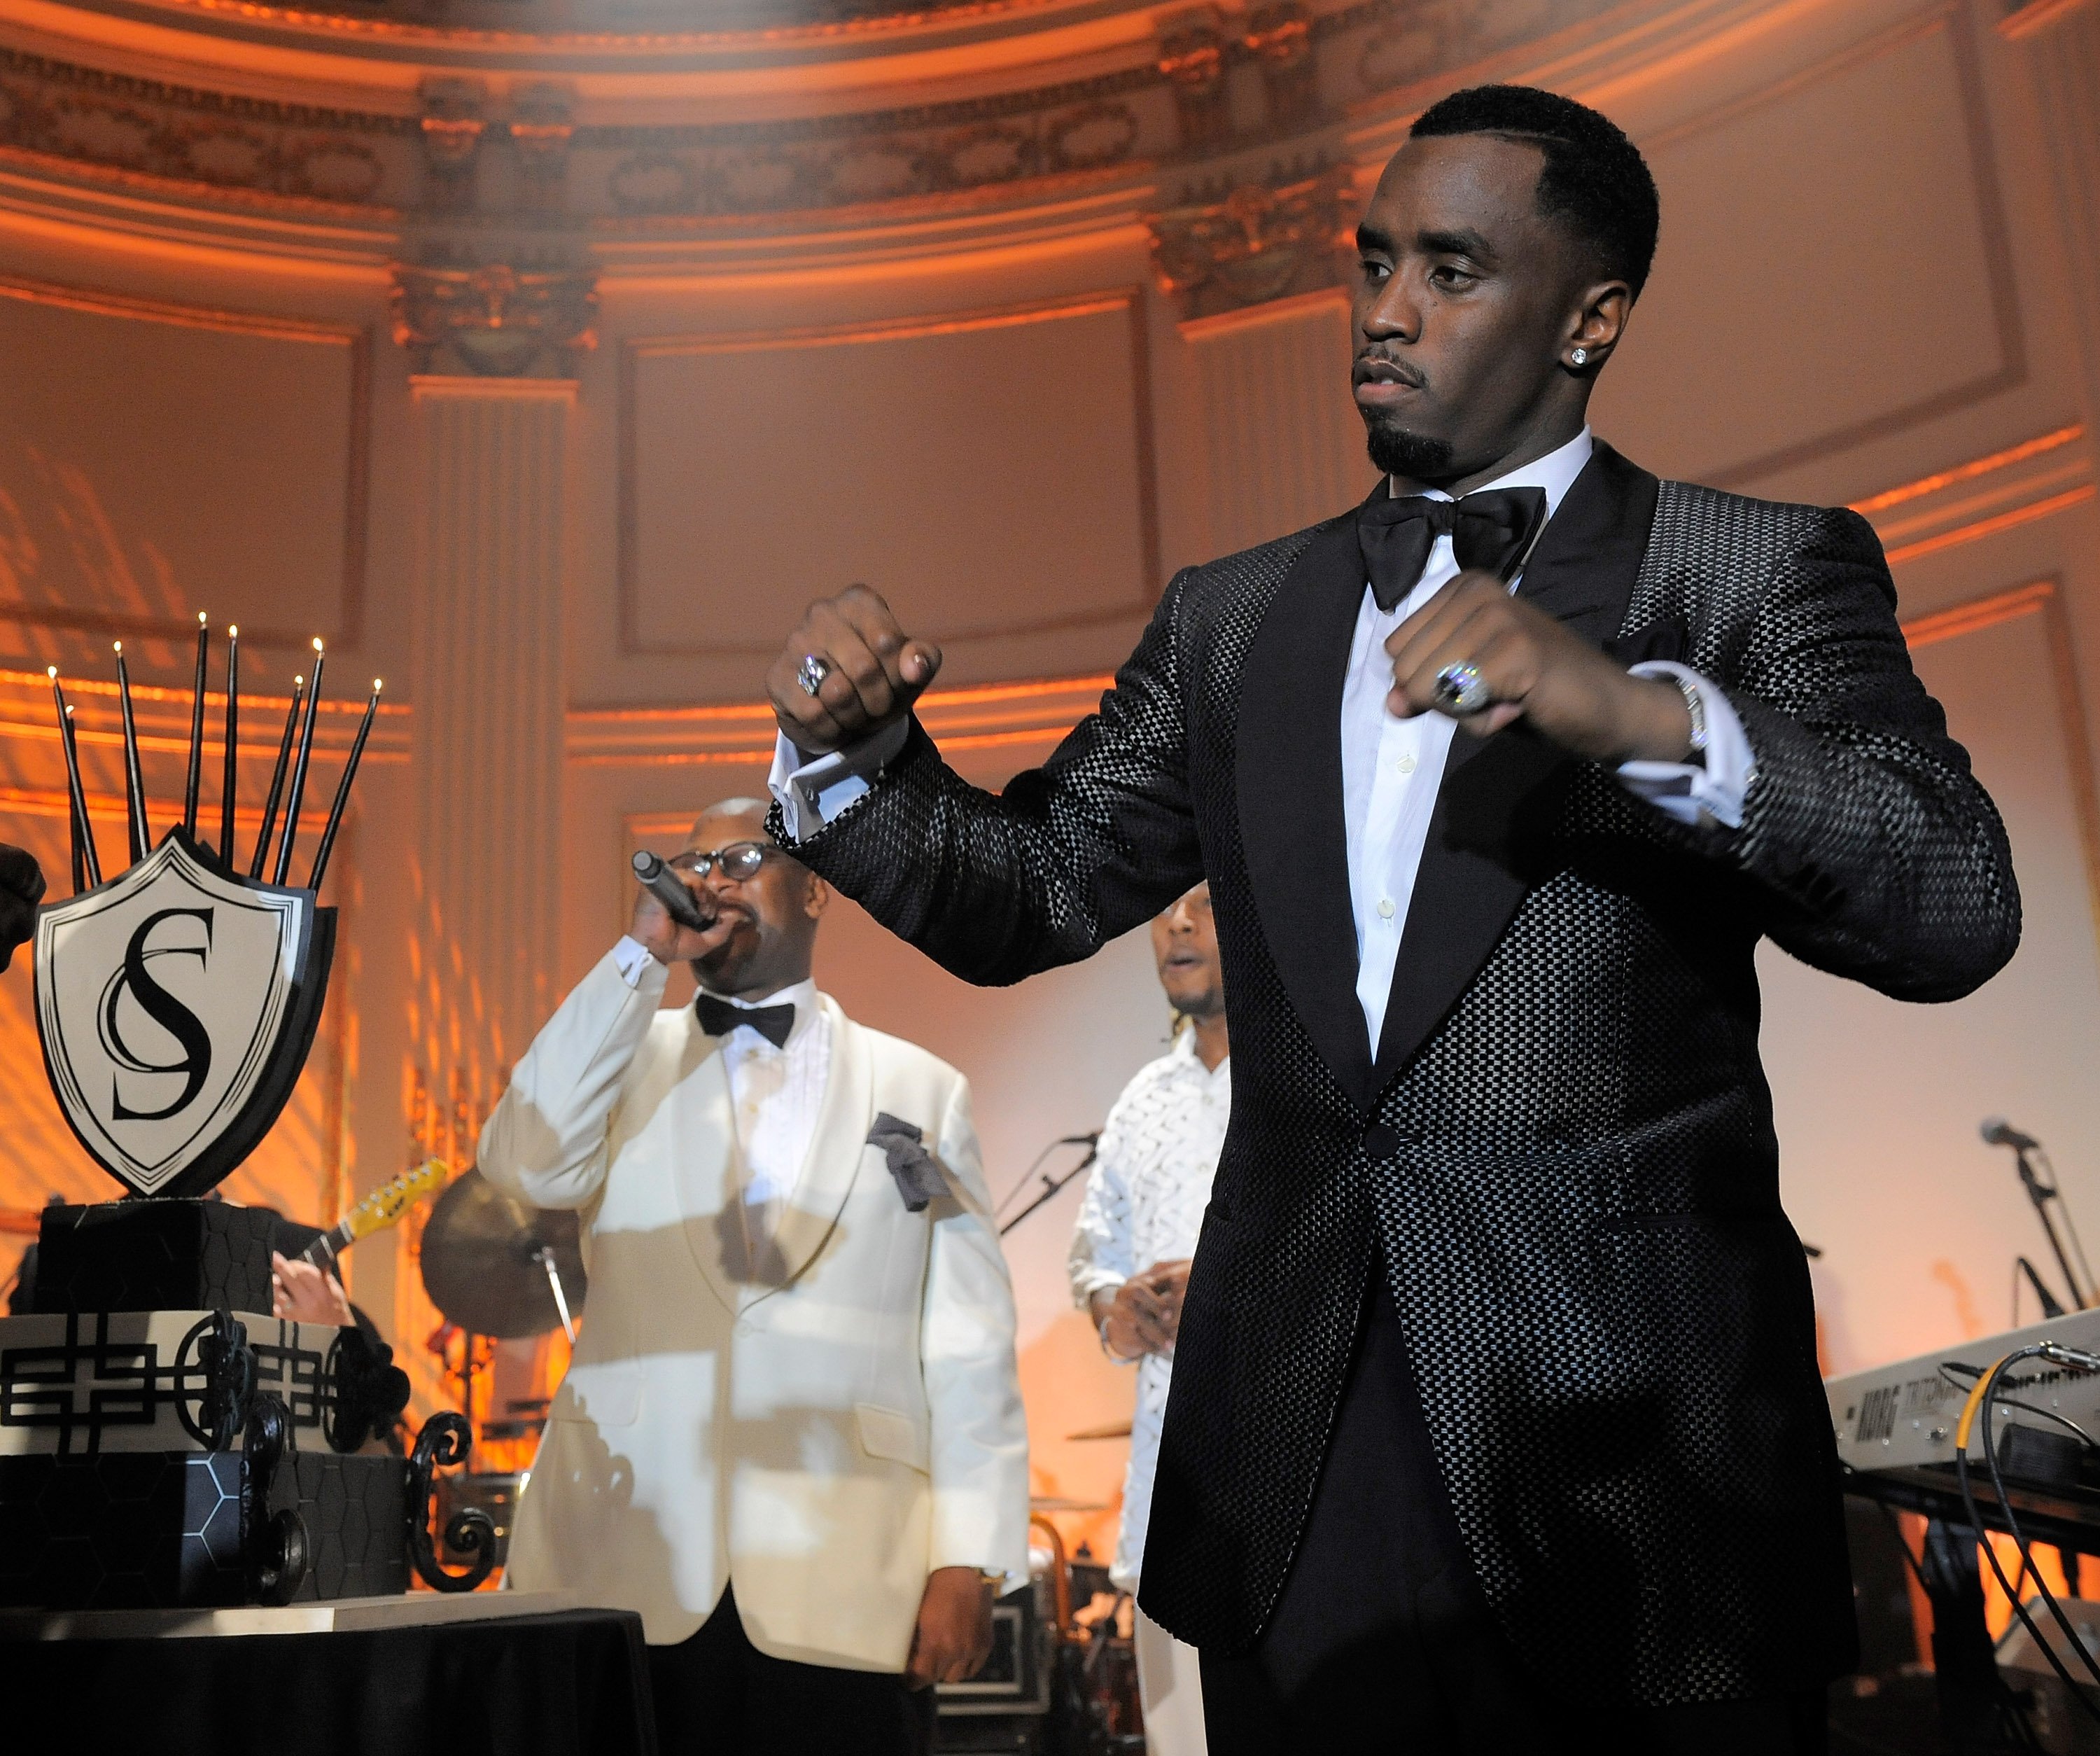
(987, 717)
(2036, 479)
(162, 715)
(356, 487)
(1130, 301)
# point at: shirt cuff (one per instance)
(632, 958)
(1697, 794)
(813, 790)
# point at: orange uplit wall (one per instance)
(544, 365)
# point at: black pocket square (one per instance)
(918, 1176)
(1666, 637)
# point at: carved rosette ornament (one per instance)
(1259, 243)
(496, 321)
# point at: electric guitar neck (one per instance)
(381, 1208)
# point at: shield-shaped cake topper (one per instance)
(177, 1004)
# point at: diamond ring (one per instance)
(813, 673)
(1461, 691)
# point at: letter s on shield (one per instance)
(163, 1009)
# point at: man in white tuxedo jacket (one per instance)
(791, 1435)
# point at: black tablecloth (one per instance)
(570, 1684)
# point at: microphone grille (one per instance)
(1992, 1129)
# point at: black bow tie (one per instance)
(1492, 530)
(719, 1017)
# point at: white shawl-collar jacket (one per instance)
(826, 1424)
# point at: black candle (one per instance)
(342, 788)
(135, 780)
(277, 778)
(299, 765)
(232, 771)
(195, 777)
(92, 860)
(79, 809)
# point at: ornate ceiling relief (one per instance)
(1212, 80)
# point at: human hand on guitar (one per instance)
(306, 1294)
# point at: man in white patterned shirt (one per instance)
(792, 1436)
(1130, 1258)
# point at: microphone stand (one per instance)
(2040, 1194)
(1052, 1186)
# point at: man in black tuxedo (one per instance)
(1496, 1423)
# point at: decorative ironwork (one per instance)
(367, 1391)
(229, 1382)
(446, 1439)
(278, 1543)
(1259, 243)
(499, 321)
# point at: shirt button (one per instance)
(1405, 765)
(1385, 908)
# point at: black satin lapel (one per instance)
(1496, 797)
(1289, 783)
(1588, 557)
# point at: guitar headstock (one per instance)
(383, 1206)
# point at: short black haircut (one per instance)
(1595, 180)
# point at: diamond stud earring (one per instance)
(1580, 357)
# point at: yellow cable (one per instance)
(1976, 1401)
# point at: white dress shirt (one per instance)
(1144, 1204)
(1391, 768)
(775, 1094)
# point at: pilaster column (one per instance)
(490, 700)
(2062, 42)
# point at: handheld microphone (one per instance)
(1997, 1131)
(657, 878)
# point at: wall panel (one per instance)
(157, 459)
(990, 473)
(1834, 267)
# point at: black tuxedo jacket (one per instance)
(1561, 1153)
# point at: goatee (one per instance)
(1397, 451)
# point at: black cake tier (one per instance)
(175, 1530)
(156, 1255)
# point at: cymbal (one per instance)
(480, 1266)
(1114, 1430)
(1055, 1502)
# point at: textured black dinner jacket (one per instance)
(1562, 1155)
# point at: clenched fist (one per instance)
(1536, 671)
(21, 888)
(847, 672)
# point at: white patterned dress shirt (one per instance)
(1144, 1204)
